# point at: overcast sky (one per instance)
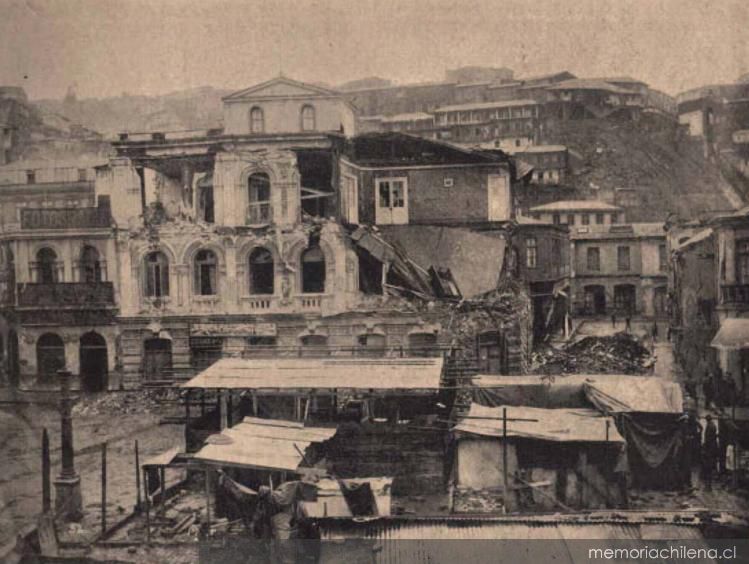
(107, 47)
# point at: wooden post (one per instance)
(608, 423)
(254, 403)
(147, 504)
(103, 487)
(46, 474)
(187, 407)
(229, 408)
(137, 478)
(162, 476)
(207, 499)
(202, 403)
(505, 478)
(222, 410)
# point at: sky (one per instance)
(109, 47)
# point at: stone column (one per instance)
(68, 501)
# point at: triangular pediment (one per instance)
(281, 87)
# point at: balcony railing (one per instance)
(66, 294)
(259, 213)
(48, 218)
(734, 294)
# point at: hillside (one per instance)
(648, 167)
(198, 108)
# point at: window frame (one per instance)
(593, 265)
(321, 287)
(620, 258)
(254, 120)
(531, 252)
(303, 118)
(156, 286)
(251, 289)
(198, 282)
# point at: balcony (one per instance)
(259, 213)
(89, 295)
(68, 218)
(310, 302)
(734, 294)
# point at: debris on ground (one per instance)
(469, 500)
(135, 401)
(621, 353)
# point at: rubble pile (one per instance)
(136, 401)
(621, 353)
(469, 500)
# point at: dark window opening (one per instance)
(260, 346)
(313, 271)
(370, 274)
(492, 353)
(261, 271)
(371, 345)
(47, 266)
(50, 354)
(205, 200)
(30, 177)
(316, 175)
(157, 359)
(157, 275)
(90, 265)
(206, 283)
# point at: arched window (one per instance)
(257, 120)
(308, 118)
(261, 271)
(46, 260)
(50, 354)
(206, 283)
(157, 275)
(313, 271)
(258, 197)
(90, 265)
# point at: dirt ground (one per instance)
(22, 421)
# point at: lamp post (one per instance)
(68, 501)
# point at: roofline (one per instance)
(319, 89)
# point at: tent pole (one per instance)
(505, 479)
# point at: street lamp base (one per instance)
(68, 500)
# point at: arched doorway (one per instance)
(14, 368)
(50, 355)
(157, 359)
(93, 360)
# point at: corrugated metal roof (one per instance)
(558, 425)
(262, 443)
(294, 374)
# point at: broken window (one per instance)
(594, 258)
(371, 345)
(157, 275)
(622, 258)
(261, 271)
(308, 118)
(258, 196)
(205, 199)
(370, 274)
(47, 268)
(90, 266)
(492, 353)
(313, 271)
(206, 283)
(257, 120)
(531, 252)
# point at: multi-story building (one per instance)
(620, 269)
(550, 163)
(488, 121)
(592, 98)
(710, 286)
(58, 275)
(582, 213)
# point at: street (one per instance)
(20, 450)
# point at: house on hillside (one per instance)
(621, 269)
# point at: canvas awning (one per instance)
(558, 425)
(732, 335)
(266, 444)
(626, 394)
(305, 375)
